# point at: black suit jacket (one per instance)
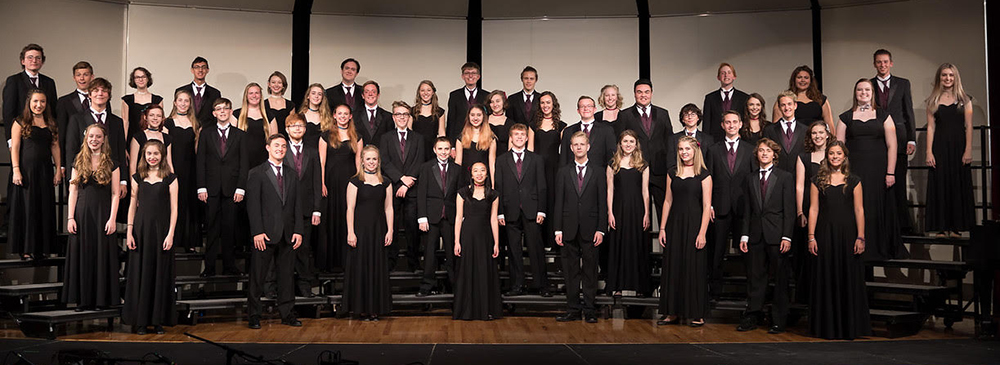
(525, 195)
(712, 110)
(786, 158)
(394, 166)
(458, 106)
(770, 217)
(276, 213)
(77, 126)
(15, 95)
(515, 107)
(703, 138)
(653, 144)
(383, 123)
(602, 143)
(210, 94)
(900, 108)
(337, 95)
(727, 186)
(580, 213)
(67, 106)
(221, 173)
(310, 178)
(432, 192)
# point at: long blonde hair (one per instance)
(698, 160)
(83, 166)
(635, 159)
(436, 110)
(957, 89)
(325, 119)
(485, 133)
(142, 168)
(195, 125)
(333, 134)
(378, 168)
(241, 123)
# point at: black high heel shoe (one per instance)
(663, 321)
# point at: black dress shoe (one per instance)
(591, 318)
(515, 292)
(423, 293)
(159, 330)
(292, 322)
(254, 324)
(663, 321)
(206, 274)
(776, 329)
(569, 317)
(309, 294)
(140, 331)
(545, 293)
(747, 324)
(79, 309)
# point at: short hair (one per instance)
(690, 107)
(739, 116)
(518, 127)
(618, 104)
(199, 59)
(222, 101)
(292, 118)
(378, 89)
(83, 65)
(503, 99)
(32, 47)
(529, 69)
(346, 60)
(400, 104)
(472, 65)
(726, 64)
(786, 94)
(774, 146)
(99, 82)
(275, 136)
(582, 98)
(882, 51)
(281, 76)
(442, 139)
(642, 82)
(131, 77)
(580, 134)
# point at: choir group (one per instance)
(323, 185)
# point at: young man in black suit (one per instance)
(371, 121)
(347, 92)
(787, 132)
(203, 95)
(276, 210)
(402, 152)
(652, 125)
(601, 136)
(436, 194)
(520, 180)
(726, 98)
(892, 93)
(461, 99)
(76, 101)
(690, 119)
(522, 105)
(304, 158)
(98, 92)
(580, 219)
(221, 167)
(768, 222)
(729, 161)
(17, 86)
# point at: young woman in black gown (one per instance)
(499, 123)
(91, 278)
(316, 110)
(812, 105)
(806, 166)
(838, 302)
(369, 233)
(686, 211)
(150, 128)
(428, 117)
(340, 157)
(756, 119)
(628, 197)
(253, 119)
(276, 105)
(184, 130)
(950, 202)
(477, 282)
(544, 137)
(133, 104)
(149, 278)
(611, 103)
(476, 144)
(871, 132)
(34, 146)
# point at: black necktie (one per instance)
(402, 145)
(281, 181)
(222, 140)
(763, 184)
(98, 118)
(34, 80)
(579, 177)
(731, 158)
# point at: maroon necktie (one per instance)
(763, 185)
(518, 163)
(788, 135)
(402, 145)
(731, 158)
(727, 102)
(371, 121)
(472, 99)
(297, 157)
(883, 96)
(34, 80)
(98, 118)
(444, 184)
(527, 107)
(348, 97)
(281, 181)
(647, 122)
(86, 101)
(197, 97)
(222, 140)
(585, 128)
(579, 177)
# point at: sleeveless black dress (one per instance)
(366, 275)
(135, 112)
(803, 259)
(950, 203)
(187, 233)
(340, 168)
(809, 112)
(149, 285)
(838, 301)
(256, 139)
(470, 156)
(477, 282)
(91, 275)
(502, 134)
(684, 283)
(32, 226)
(547, 146)
(279, 115)
(427, 127)
(629, 247)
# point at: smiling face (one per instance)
(787, 106)
(152, 155)
(476, 117)
(141, 79)
(863, 92)
(182, 103)
(610, 96)
(528, 80)
(643, 94)
(586, 108)
(802, 80)
(818, 135)
(496, 104)
(470, 76)
(222, 112)
(32, 61)
(342, 116)
(154, 118)
(37, 103)
(628, 144)
(947, 77)
(275, 86)
(442, 149)
(731, 124)
(765, 155)
(82, 76)
(479, 173)
(253, 96)
(296, 130)
(370, 94)
(690, 120)
(686, 152)
(370, 160)
(199, 70)
(426, 93)
(276, 149)
(726, 76)
(95, 138)
(883, 64)
(315, 97)
(518, 138)
(835, 156)
(99, 97)
(754, 107)
(401, 117)
(545, 102)
(349, 72)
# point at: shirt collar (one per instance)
(584, 164)
(767, 168)
(887, 77)
(29, 73)
(293, 144)
(784, 121)
(587, 123)
(84, 92)
(370, 108)
(692, 133)
(195, 84)
(521, 151)
(731, 88)
(398, 131)
(94, 111)
(440, 162)
(734, 140)
(224, 127)
(471, 91)
(346, 86)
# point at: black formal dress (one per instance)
(135, 112)
(547, 146)
(279, 115)
(149, 285)
(752, 137)
(477, 282)
(811, 111)
(187, 233)
(202, 106)
(470, 156)
(950, 202)
(141, 139)
(803, 259)
(32, 229)
(617, 127)
(313, 133)
(838, 302)
(332, 247)
(256, 138)
(866, 141)
(427, 127)
(366, 279)
(502, 134)
(91, 278)
(684, 283)
(15, 95)
(629, 247)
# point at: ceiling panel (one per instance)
(436, 8)
(505, 9)
(672, 8)
(284, 6)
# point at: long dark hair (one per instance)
(27, 118)
(825, 170)
(813, 91)
(809, 145)
(536, 120)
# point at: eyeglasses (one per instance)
(470, 73)
(220, 108)
(400, 114)
(297, 126)
(139, 77)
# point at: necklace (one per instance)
(865, 107)
(341, 128)
(369, 172)
(182, 114)
(688, 164)
(500, 114)
(313, 110)
(425, 104)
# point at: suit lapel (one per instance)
(772, 181)
(587, 176)
(892, 90)
(436, 172)
(756, 190)
(269, 171)
(741, 155)
(638, 117)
